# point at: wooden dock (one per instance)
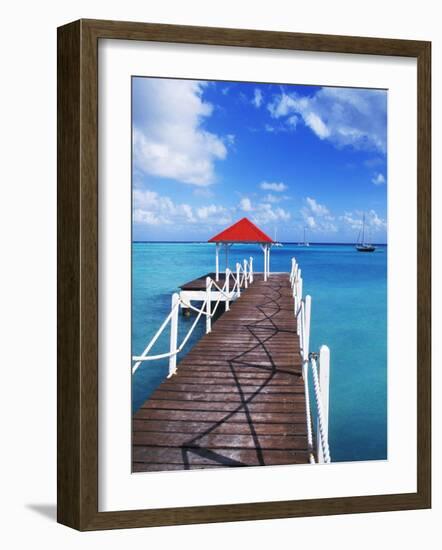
(238, 396)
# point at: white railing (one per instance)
(320, 368)
(227, 293)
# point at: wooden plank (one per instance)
(223, 397)
(211, 374)
(219, 406)
(138, 467)
(216, 417)
(221, 441)
(185, 427)
(227, 388)
(233, 379)
(226, 457)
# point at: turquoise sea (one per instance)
(349, 314)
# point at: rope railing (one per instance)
(246, 269)
(322, 429)
(318, 364)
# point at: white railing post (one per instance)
(324, 385)
(174, 333)
(251, 268)
(298, 316)
(246, 282)
(268, 261)
(227, 289)
(292, 272)
(238, 280)
(217, 263)
(264, 250)
(208, 305)
(307, 317)
(299, 292)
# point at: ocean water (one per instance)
(349, 314)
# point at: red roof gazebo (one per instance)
(243, 231)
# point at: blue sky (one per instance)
(206, 154)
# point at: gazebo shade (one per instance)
(243, 231)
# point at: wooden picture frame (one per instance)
(78, 273)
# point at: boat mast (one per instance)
(363, 228)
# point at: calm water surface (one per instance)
(349, 314)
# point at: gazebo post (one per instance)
(265, 263)
(264, 249)
(217, 263)
(268, 260)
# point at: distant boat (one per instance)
(305, 243)
(275, 242)
(362, 245)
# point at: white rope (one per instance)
(235, 286)
(308, 412)
(190, 306)
(324, 441)
(141, 358)
(306, 385)
(154, 339)
(181, 346)
(215, 308)
(222, 290)
(189, 332)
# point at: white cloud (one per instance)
(287, 126)
(214, 214)
(372, 220)
(230, 139)
(169, 139)
(272, 198)
(316, 208)
(317, 217)
(375, 221)
(315, 122)
(378, 179)
(310, 221)
(292, 121)
(245, 204)
(257, 98)
(150, 208)
(282, 105)
(263, 212)
(273, 186)
(153, 209)
(351, 220)
(346, 117)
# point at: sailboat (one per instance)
(305, 243)
(362, 245)
(276, 243)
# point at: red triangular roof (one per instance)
(243, 231)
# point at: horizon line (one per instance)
(248, 243)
